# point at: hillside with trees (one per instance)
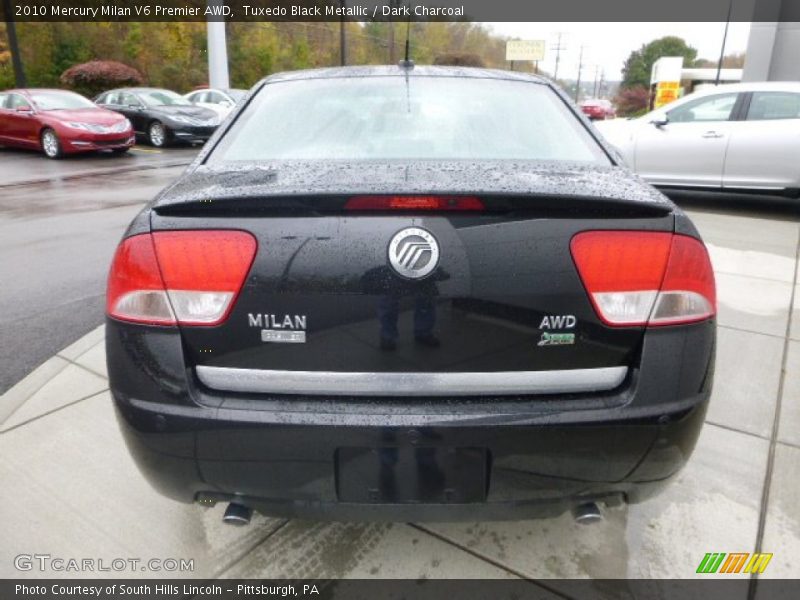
(174, 55)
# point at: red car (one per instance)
(598, 110)
(59, 122)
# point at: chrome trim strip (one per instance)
(334, 383)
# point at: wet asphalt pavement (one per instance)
(59, 224)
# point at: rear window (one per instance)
(422, 118)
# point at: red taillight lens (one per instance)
(135, 288)
(641, 277)
(688, 292)
(186, 277)
(414, 203)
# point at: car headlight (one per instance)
(77, 125)
(123, 125)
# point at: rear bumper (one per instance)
(288, 455)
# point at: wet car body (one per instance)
(59, 130)
(498, 419)
(598, 109)
(176, 123)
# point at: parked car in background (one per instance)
(218, 100)
(598, 109)
(58, 122)
(736, 137)
(403, 304)
(161, 116)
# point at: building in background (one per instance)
(773, 49)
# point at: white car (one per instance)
(220, 101)
(743, 136)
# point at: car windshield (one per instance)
(162, 98)
(60, 101)
(419, 117)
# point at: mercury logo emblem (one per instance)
(414, 252)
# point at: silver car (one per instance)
(743, 136)
(220, 101)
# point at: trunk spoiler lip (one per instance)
(416, 384)
(493, 203)
(286, 179)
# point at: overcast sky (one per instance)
(609, 44)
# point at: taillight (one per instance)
(414, 203)
(186, 277)
(645, 278)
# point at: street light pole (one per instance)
(724, 40)
(218, 76)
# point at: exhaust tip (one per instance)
(237, 514)
(587, 513)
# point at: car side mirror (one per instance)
(226, 103)
(135, 106)
(660, 123)
(24, 109)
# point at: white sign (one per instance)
(525, 50)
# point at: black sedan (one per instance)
(410, 293)
(161, 116)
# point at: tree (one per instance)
(632, 101)
(639, 64)
(459, 60)
(96, 76)
(729, 61)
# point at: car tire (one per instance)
(157, 134)
(51, 145)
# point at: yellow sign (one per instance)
(666, 92)
(525, 50)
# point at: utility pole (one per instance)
(558, 48)
(343, 34)
(578, 84)
(724, 40)
(13, 46)
(596, 80)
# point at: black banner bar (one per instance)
(400, 10)
(714, 588)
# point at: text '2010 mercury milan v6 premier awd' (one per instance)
(410, 294)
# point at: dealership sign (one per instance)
(525, 50)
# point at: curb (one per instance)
(29, 385)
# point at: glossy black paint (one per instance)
(279, 454)
(142, 116)
(396, 458)
(499, 276)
